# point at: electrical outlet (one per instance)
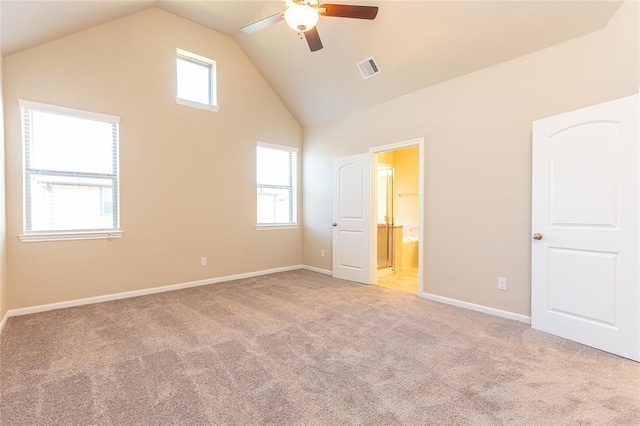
(502, 283)
(322, 253)
(203, 261)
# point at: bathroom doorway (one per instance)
(398, 213)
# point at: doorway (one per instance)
(354, 235)
(397, 189)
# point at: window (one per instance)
(195, 80)
(70, 173)
(276, 182)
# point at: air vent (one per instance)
(368, 68)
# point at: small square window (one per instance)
(195, 80)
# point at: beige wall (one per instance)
(477, 131)
(187, 175)
(3, 237)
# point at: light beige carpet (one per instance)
(301, 348)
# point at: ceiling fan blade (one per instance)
(263, 23)
(313, 38)
(349, 11)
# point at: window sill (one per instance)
(67, 236)
(276, 227)
(214, 108)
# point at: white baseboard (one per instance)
(162, 289)
(318, 270)
(480, 308)
(143, 292)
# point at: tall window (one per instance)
(70, 170)
(195, 80)
(276, 182)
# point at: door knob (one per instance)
(537, 236)
(334, 224)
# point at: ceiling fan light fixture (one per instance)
(301, 17)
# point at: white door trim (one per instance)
(419, 142)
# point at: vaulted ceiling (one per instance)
(416, 43)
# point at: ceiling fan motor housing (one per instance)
(301, 17)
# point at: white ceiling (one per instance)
(416, 43)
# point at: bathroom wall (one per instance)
(406, 163)
(406, 182)
(385, 158)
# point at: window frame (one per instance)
(293, 214)
(71, 234)
(213, 90)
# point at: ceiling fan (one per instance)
(302, 16)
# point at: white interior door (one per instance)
(585, 281)
(352, 218)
